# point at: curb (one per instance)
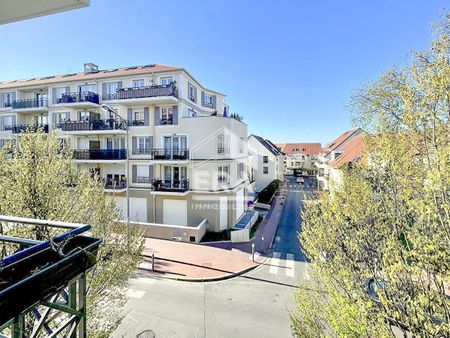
(211, 279)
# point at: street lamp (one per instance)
(107, 108)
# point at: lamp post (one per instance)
(107, 108)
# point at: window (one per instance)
(166, 115)
(191, 112)
(90, 88)
(138, 118)
(265, 170)
(142, 174)
(142, 145)
(222, 144)
(164, 81)
(7, 122)
(138, 83)
(241, 170)
(110, 90)
(61, 118)
(8, 99)
(84, 116)
(192, 92)
(115, 143)
(241, 145)
(265, 159)
(208, 99)
(223, 175)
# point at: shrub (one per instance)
(265, 196)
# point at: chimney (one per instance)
(90, 68)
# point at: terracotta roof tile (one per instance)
(148, 69)
(340, 140)
(352, 151)
(304, 148)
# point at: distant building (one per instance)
(344, 149)
(266, 161)
(300, 158)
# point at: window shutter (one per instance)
(119, 84)
(151, 141)
(133, 173)
(2, 100)
(14, 120)
(54, 98)
(134, 145)
(195, 94)
(214, 99)
(175, 115)
(2, 123)
(130, 116)
(13, 96)
(54, 120)
(104, 91)
(203, 98)
(157, 116)
(146, 117)
(150, 172)
(67, 89)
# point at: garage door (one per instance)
(239, 203)
(138, 208)
(175, 212)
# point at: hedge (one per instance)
(265, 196)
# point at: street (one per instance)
(255, 304)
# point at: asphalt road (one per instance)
(256, 304)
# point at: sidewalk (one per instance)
(197, 262)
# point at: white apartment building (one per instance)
(337, 153)
(266, 162)
(187, 154)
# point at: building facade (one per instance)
(300, 158)
(338, 152)
(266, 161)
(187, 154)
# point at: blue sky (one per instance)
(288, 67)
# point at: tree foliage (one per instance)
(380, 246)
(39, 180)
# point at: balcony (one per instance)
(170, 185)
(100, 154)
(86, 99)
(170, 154)
(149, 94)
(94, 125)
(115, 185)
(28, 128)
(28, 104)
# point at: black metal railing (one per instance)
(115, 185)
(109, 124)
(170, 185)
(100, 154)
(141, 92)
(134, 123)
(170, 154)
(78, 97)
(28, 103)
(142, 151)
(28, 128)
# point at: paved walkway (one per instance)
(197, 262)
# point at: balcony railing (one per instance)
(170, 154)
(142, 92)
(115, 185)
(109, 124)
(78, 97)
(170, 185)
(28, 103)
(28, 128)
(100, 154)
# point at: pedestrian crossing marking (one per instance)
(290, 265)
(274, 263)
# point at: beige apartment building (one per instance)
(187, 154)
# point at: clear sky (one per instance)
(288, 67)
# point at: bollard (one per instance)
(253, 252)
(153, 261)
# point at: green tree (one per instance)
(380, 246)
(39, 180)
